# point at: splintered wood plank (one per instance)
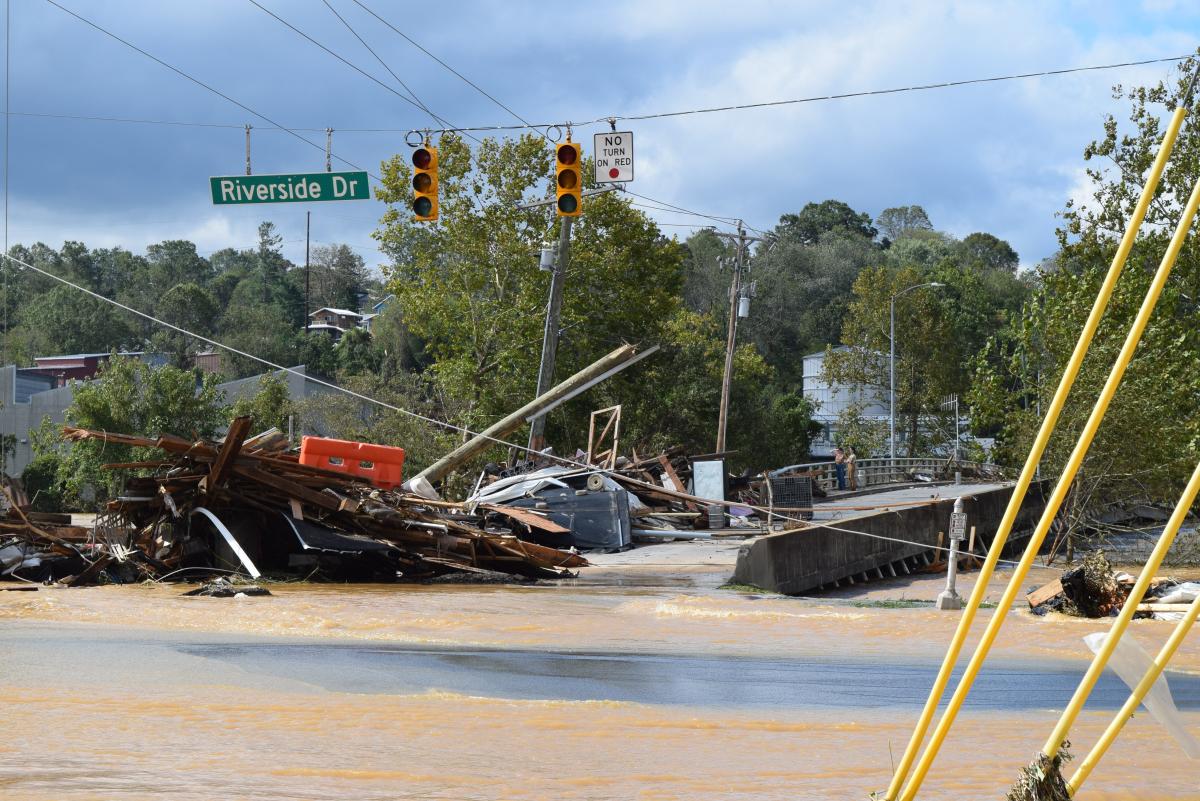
(290, 488)
(1044, 593)
(528, 517)
(229, 451)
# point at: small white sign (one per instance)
(614, 157)
(958, 525)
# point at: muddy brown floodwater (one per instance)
(613, 687)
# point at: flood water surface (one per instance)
(502, 692)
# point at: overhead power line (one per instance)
(464, 78)
(209, 87)
(378, 58)
(355, 67)
(596, 121)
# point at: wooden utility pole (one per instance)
(735, 297)
(558, 278)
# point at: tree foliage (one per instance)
(1150, 439)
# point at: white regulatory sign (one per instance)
(958, 525)
(614, 157)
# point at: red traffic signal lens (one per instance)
(568, 204)
(567, 154)
(422, 182)
(423, 207)
(568, 179)
(422, 158)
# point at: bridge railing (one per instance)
(872, 472)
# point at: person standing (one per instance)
(839, 467)
(851, 468)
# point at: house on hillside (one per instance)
(336, 322)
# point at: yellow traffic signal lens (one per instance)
(421, 158)
(567, 154)
(422, 182)
(568, 179)
(422, 207)
(568, 204)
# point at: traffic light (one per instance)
(425, 183)
(568, 178)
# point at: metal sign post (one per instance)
(949, 599)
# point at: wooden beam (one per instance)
(290, 488)
(229, 451)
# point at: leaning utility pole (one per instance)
(558, 277)
(735, 297)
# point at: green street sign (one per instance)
(290, 188)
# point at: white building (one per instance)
(831, 399)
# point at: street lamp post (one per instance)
(892, 367)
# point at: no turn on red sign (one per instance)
(614, 157)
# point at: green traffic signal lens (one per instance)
(422, 182)
(568, 179)
(422, 207)
(568, 204)
(422, 158)
(567, 154)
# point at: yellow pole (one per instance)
(1057, 497)
(1119, 625)
(1139, 693)
(1035, 453)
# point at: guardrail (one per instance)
(872, 472)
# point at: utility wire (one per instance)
(354, 66)
(383, 63)
(598, 120)
(464, 78)
(204, 85)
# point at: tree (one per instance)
(469, 287)
(269, 407)
(191, 308)
(1149, 440)
(900, 221)
(130, 397)
(815, 219)
(985, 251)
(338, 277)
(64, 320)
(929, 353)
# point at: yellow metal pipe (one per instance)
(1035, 453)
(1057, 497)
(1100, 660)
(1139, 693)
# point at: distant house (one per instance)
(378, 308)
(333, 321)
(82, 366)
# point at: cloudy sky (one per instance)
(1000, 157)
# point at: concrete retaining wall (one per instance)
(804, 560)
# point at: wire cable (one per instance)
(204, 85)
(354, 66)
(464, 78)
(378, 58)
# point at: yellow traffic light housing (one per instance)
(425, 183)
(568, 178)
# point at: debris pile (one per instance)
(248, 505)
(1093, 589)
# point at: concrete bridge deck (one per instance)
(897, 537)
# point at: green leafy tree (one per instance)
(988, 252)
(470, 290)
(338, 277)
(130, 397)
(192, 308)
(816, 219)
(269, 407)
(900, 221)
(1149, 441)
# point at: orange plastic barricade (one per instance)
(382, 465)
